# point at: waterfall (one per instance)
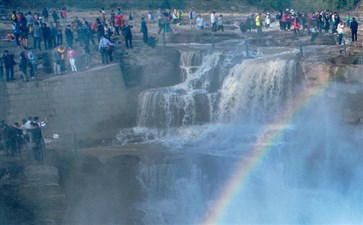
(309, 172)
(219, 87)
(249, 93)
(188, 103)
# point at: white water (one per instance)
(311, 174)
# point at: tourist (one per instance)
(71, 56)
(24, 33)
(354, 29)
(45, 14)
(32, 64)
(29, 20)
(283, 21)
(150, 17)
(8, 138)
(175, 16)
(126, 32)
(59, 29)
(55, 16)
(103, 47)
(37, 36)
(347, 20)
(213, 21)
(108, 32)
(314, 34)
(340, 30)
(69, 36)
(64, 14)
(258, 23)
(220, 23)
(9, 63)
(59, 56)
(23, 65)
(16, 31)
(100, 29)
(36, 137)
(144, 30)
(296, 25)
(192, 18)
(200, 22)
(52, 36)
(46, 37)
(267, 20)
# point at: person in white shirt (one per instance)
(213, 21)
(340, 30)
(103, 46)
(200, 22)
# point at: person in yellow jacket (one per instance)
(258, 23)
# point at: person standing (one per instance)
(100, 29)
(37, 36)
(23, 65)
(296, 25)
(56, 61)
(32, 64)
(62, 58)
(64, 14)
(9, 63)
(103, 48)
(126, 32)
(213, 21)
(45, 14)
(258, 23)
(200, 22)
(52, 36)
(191, 18)
(16, 31)
(69, 36)
(340, 30)
(71, 56)
(46, 36)
(144, 30)
(55, 16)
(24, 34)
(354, 29)
(59, 33)
(220, 23)
(36, 139)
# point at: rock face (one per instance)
(151, 68)
(34, 195)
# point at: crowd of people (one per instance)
(313, 23)
(66, 40)
(14, 138)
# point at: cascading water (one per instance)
(227, 119)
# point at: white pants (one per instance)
(73, 64)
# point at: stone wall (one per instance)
(90, 105)
(94, 105)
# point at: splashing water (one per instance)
(246, 149)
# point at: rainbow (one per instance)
(233, 186)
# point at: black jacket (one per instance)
(354, 25)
